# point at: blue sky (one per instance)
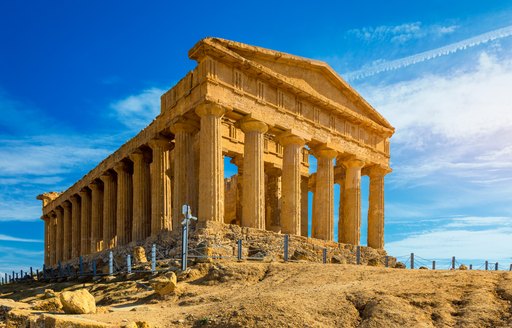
(77, 79)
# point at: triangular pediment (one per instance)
(313, 76)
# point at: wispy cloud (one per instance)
(16, 239)
(383, 66)
(137, 111)
(400, 33)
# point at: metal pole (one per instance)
(81, 265)
(496, 266)
(453, 262)
(6, 280)
(21, 274)
(129, 263)
(324, 255)
(239, 255)
(412, 260)
(510, 268)
(13, 276)
(153, 258)
(433, 265)
(110, 263)
(471, 267)
(286, 242)
(486, 265)
(31, 272)
(184, 246)
(386, 261)
(10, 278)
(94, 268)
(358, 254)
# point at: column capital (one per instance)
(95, 185)
(213, 109)
(121, 167)
(248, 124)
(324, 152)
(74, 199)
(139, 155)
(161, 143)
(273, 171)
(66, 204)
(106, 176)
(378, 171)
(184, 125)
(353, 162)
(83, 192)
(287, 138)
(238, 160)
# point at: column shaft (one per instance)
(59, 243)
(342, 233)
(352, 202)
(47, 246)
(253, 211)
(211, 166)
(304, 206)
(66, 250)
(160, 186)
(53, 239)
(75, 226)
(273, 199)
(109, 210)
(184, 171)
(96, 217)
(376, 209)
(141, 196)
(124, 204)
(323, 217)
(86, 221)
(291, 200)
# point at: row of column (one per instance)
(211, 195)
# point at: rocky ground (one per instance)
(276, 294)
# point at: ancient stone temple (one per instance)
(268, 112)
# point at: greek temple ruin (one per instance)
(268, 112)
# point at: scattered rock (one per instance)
(373, 262)
(49, 305)
(139, 255)
(164, 284)
(423, 268)
(299, 255)
(338, 259)
(463, 267)
(78, 302)
(49, 293)
(399, 265)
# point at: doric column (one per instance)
(75, 225)
(323, 215)
(66, 250)
(109, 210)
(341, 212)
(253, 211)
(376, 207)
(211, 165)
(238, 160)
(124, 203)
(59, 240)
(351, 230)
(184, 169)
(96, 217)
(141, 228)
(291, 207)
(47, 242)
(160, 186)
(273, 199)
(304, 206)
(86, 221)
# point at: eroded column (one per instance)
(253, 211)
(238, 160)
(59, 243)
(96, 217)
(160, 186)
(291, 207)
(124, 203)
(352, 202)
(47, 238)
(109, 210)
(141, 228)
(184, 170)
(376, 207)
(323, 216)
(66, 250)
(273, 196)
(75, 225)
(211, 166)
(86, 221)
(304, 206)
(53, 239)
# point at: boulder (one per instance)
(49, 293)
(373, 262)
(423, 268)
(338, 259)
(399, 265)
(139, 255)
(463, 267)
(49, 305)
(78, 302)
(164, 284)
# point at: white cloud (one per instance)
(137, 111)
(16, 239)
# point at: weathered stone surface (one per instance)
(49, 305)
(399, 265)
(463, 267)
(78, 302)
(164, 284)
(139, 255)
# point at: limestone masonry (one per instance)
(267, 111)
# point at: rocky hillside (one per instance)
(275, 294)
